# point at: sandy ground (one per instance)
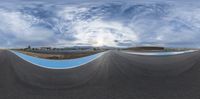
(59, 56)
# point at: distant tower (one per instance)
(29, 47)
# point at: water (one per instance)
(58, 64)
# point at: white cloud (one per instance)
(99, 33)
(94, 30)
(19, 26)
(99, 24)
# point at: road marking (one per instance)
(158, 53)
(58, 64)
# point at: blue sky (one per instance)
(99, 23)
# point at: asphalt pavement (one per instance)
(114, 75)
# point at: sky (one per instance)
(121, 23)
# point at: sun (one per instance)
(98, 42)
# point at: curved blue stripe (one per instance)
(58, 64)
(160, 53)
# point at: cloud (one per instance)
(99, 33)
(15, 25)
(99, 24)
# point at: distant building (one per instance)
(28, 48)
(45, 48)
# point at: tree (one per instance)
(94, 49)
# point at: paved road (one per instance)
(115, 75)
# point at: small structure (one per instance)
(29, 47)
(45, 48)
